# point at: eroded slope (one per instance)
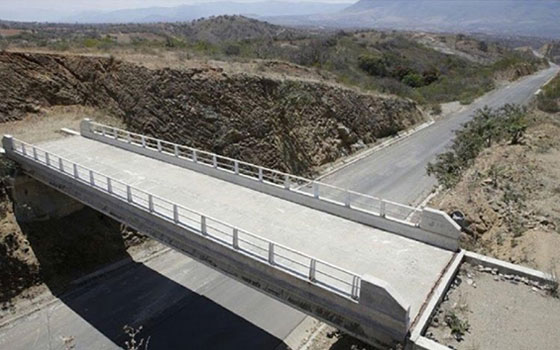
(286, 124)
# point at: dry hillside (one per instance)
(285, 124)
(511, 198)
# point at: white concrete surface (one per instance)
(410, 267)
(425, 225)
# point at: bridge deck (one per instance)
(411, 267)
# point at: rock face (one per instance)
(289, 125)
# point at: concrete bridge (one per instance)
(362, 264)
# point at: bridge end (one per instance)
(85, 127)
(8, 142)
(390, 308)
(438, 222)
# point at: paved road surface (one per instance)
(185, 305)
(398, 172)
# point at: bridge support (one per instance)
(34, 201)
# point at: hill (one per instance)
(520, 17)
(196, 11)
(429, 68)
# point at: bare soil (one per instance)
(511, 198)
(497, 313)
(46, 256)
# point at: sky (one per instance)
(108, 5)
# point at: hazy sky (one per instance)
(107, 5)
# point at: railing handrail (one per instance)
(56, 162)
(281, 175)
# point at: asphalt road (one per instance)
(185, 305)
(398, 172)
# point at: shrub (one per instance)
(486, 128)
(373, 65)
(232, 50)
(549, 98)
(413, 80)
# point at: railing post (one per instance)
(347, 199)
(175, 213)
(76, 173)
(214, 161)
(235, 238)
(159, 145)
(109, 185)
(271, 253)
(60, 164)
(128, 194)
(151, 203)
(47, 159)
(287, 182)
(143, 138)
(312, 269)
(35, 154)
(315, 190)
(203, 224)
(23, 150)
(382, 206)
(355, 284)
(176, 150)
(194, 156)
(103, 131)
(260, 174)
(236, 167)
(91, 179)
(128, 138)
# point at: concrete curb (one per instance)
(312, 337)
(366, 153)
(424, 343)
(70, 132)
(508, 268)
(299, 334)
(437, 296)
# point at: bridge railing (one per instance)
(320, 191)
(281, 257)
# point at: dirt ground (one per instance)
(43, 258)
(46, 125)
(511, 199)
(496, 312)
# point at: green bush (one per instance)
(549, 98)
(486, 128)
(232, 50)
(413, 80)
(373, 65)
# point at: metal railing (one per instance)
(288, 260)
(321, 191)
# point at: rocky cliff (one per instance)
(289, 125)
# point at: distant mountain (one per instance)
(512, 17)
(195, 11)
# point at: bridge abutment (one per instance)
(35, 201)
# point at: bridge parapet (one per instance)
(423, 224)
(363, 306)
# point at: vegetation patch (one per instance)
(549, 98)
(488, 127)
